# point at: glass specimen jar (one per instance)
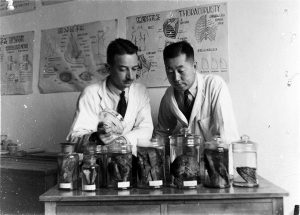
(101, 160)
(119, 165)
(150, 163)
(216, 164)
(68, 167)
(185, 160)
(245, 163)
(90, 171)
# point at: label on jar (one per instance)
(65, 185)
(124, 184)
(89, 187)
(190, 183)
(156, 183)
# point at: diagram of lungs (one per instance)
(205, 29)
(170, 27)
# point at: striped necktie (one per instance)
(122, 106)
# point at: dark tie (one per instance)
(122, 106)
(188, 104)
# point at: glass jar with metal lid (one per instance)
(90, 170)
(185, 159)
(68, 167)
(101, 160)
(245, 163)
(216, 164)
(119, 165)
(150, 163)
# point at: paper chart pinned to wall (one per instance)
(10, 7)
(204, 27)
(16, 55)
(73, 57)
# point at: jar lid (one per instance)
(216, 142)
(244, 144)
(184, 132)
(67, 147)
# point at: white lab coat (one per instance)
(137, 120)
(212, 113)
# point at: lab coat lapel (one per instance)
(103, 95)
(175, 109)
(199, 98)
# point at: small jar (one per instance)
(216, 164)
(119, 165)
(245, 163)
(89, 171)
(185, 160)
(150, 163)
(101, 160)
(68, 166)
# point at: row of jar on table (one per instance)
(185, 163)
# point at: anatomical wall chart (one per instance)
(204, 27)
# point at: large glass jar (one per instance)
(68, 167)
(245, 163)
(119, 165)
(216, 164)
(185, 160)
(151, 163)
(90, 171)
(101, 160)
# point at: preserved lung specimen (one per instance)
(184, 168)
(119, 168)
(216, 164)
(248, 174)
(150, 165)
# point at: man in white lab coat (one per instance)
(119, 93)
(201, 103)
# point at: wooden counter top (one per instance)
(265, 190)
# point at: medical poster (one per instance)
(16, 57)
(10, 7)
(73, 57)
(49, 2)
(204, 27)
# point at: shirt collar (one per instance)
(114, 90)
(193, 88)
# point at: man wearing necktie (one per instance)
(118, 93)
(200, 103)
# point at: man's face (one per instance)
(180, 72)
(123, 72)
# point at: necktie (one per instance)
(122, 106)
(188, 104)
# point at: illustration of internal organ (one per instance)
(204, 63)
(170, 27)
(214, 63)
(86, 76)
(65, 76)
(223, 63)
(139, 37)
(144, 65)
(205, 29)
(73, 53)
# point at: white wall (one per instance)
(264, 53)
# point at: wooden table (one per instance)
(23, 180)
(266, 199)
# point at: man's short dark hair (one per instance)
(119, 47)
(175, 49)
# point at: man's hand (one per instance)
(106, 132)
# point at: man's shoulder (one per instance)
(95, 87)
(213, 80)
